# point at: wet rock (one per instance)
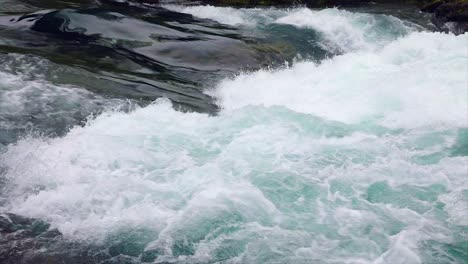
(57, 22)
(449, 15)
(150, 53)
(454, 12)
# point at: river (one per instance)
(201, 134)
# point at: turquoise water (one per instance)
(359, 157)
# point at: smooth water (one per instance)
(352, 151)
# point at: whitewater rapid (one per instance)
(340, 30)
(359, 158)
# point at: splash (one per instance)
(30, 106)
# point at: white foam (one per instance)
(182, 174)
(417, 80)
(346, 31)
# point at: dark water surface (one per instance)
(283, 136)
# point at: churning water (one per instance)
(356, 157)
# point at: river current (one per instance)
(201, 134)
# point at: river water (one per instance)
(200, 134)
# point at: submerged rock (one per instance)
(26, 240)
(30, 241)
